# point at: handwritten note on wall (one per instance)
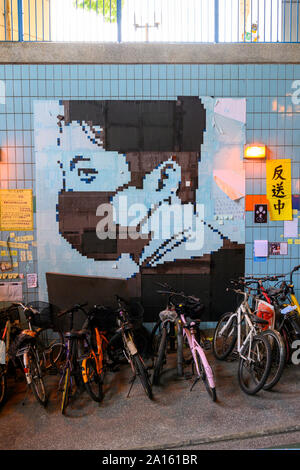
(16, 209)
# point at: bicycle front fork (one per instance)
(26, 368)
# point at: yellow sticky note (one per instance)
(15, 264)
(29, 256)
(12, 235)
(14, 253)
(290, 241)
(297, 241)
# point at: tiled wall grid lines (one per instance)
(272, 118)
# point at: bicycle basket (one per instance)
(11, 312)
(43, 315)
(103, 317)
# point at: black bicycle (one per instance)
(166, 334)
(128, 346)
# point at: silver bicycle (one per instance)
(243, 329)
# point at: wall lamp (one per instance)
(255, 151)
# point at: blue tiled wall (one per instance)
(272, 118)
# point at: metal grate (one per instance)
(201, 21)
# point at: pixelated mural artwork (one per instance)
(149, 161)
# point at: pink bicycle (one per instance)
(188, 310)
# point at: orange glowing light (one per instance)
(255, 151)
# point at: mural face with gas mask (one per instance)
(130, 188)
(141, 179)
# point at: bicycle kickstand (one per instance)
(195, 381)
(26, 393)
(132, 380)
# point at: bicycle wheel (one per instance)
(161, 356)
(92, 380)
(66, 389)
(142, 373)
(254, 365)
(179, 350)
(37, 383)
(155, 337)
(50, 347)
(225, 336)
(200, 367)
(3, 386)
(278, 357)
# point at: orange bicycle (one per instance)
(100, 320)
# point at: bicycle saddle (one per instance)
(192, 324)
(257, 319)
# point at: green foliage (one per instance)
(106, 8)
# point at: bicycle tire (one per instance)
(278, 358)
(50, 347)
(93, 382)
(179, 350)
(66, 390)
(142, 373)
(210, 390)
(259, 367)
(37, 383)
(3, 387)
(232, 328)
(154, 337)
(158, 366)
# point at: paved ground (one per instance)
(175, 419)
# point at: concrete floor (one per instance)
(175, 419)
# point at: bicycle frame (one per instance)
(68, 363)
(243, 312)
(98, 356)
(195, 346)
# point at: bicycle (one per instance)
(100, 321)
(74, 349)
(10, 317)
(31, 351)
(192, 308)
(40, 317)
(263, 307)
(168, 319)
(129, 349)
(25, 349)
(286, 306)
(252, 347)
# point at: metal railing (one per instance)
(201, 21)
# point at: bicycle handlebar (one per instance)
(73, 309)
(296, 268)
(174, 293)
